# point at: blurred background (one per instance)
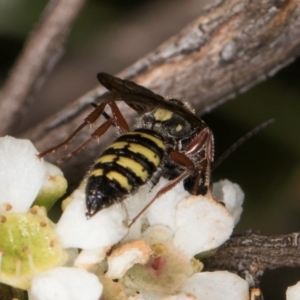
(111, 35)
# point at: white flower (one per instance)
(197, 223)
(29, 244)
(65, 283)
(217, 285)
(153, 259)
(129, 254)
(176, 227)
(21, 174)
(96, 235)
(293, 292)
(232, 195)
(24, 177)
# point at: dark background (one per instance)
(111, 35)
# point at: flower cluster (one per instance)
(152, 259)
(29, 243)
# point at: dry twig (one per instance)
(228, 49)
(42, 50)
(251, 254)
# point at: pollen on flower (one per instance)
(34, 210)
(7, 206)
(43, 223)
(26, 250)
(159, 249)
(52, 243)
(26, 247)
(38, 210)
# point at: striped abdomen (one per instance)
(123, 167)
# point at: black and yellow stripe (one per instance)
(123, 167)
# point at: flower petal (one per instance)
(163, 210)
(103, 230)
(232, 195)
(21, 173)
(217, 285)
(65, 283)
(293, 292)
(90, 257)
(54, 187)
(202, 224)
(181, 296)
(125, 256)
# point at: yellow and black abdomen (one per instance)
(123, 167)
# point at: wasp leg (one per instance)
(119, 120)
(95, 135)
(203, 141)
(90, 119)
(181, 159)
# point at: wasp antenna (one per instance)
(239, 142)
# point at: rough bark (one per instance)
(229, 48)
(251, 254)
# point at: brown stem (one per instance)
(40, 53)
(7, 293)
(251, 254)
(228, 49)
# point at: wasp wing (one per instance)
(125, 89)
(141, 99)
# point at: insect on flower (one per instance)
(169, 141)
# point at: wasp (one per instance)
(169, 140)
